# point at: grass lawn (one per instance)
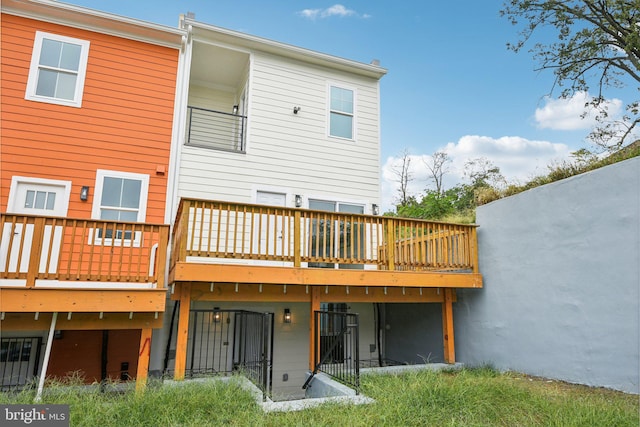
(468, 397)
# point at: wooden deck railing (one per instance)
(67, 249)
(223, 230)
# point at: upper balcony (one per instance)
(216, 115)
(81, 265)
(226, 242)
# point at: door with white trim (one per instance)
(271, 235)
(322, 240)
(33, 196)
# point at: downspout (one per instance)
(47, 354)
(168, 348)
(104, 359)
(179, 120)
(379, 334)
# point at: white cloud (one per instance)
(519, 160)
(567, 113)
(335, 10)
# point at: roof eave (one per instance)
(248, 41)
(94, 20)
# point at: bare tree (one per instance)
(404, 177)
(437, 165)
(597, 46)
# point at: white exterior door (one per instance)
(271, 232)
(33, 196)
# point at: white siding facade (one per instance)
(286, 152)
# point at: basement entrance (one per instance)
(228, 341)
(336, 350)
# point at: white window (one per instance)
(341, 117)
(122, 197)
(58, 68)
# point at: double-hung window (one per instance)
(341, 112)
(58, 68)
(120, 197)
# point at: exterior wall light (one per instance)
(84, 193)
(287, 316)
(375, 209)
(235, 109)
(296, 109)
(217, 316)
(298, 200)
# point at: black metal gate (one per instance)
(336, 349)
(19, 361)
(226, 341)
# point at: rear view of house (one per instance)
(262, 157)
(280, 261)
(87, 117)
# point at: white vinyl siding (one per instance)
(292, 150)
(58, 68)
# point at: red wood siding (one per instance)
(124, 123)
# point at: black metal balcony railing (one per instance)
(215, 129)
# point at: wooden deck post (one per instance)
(315, 306)
(296, 239)
(144, 353)
(161, 259)
(36, 251)
(183, 331)
(474, 250)
(391, 245)
(447, 327)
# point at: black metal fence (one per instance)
(226, 341)
(19, 361)
(336, 351)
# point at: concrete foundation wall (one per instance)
(561, 282)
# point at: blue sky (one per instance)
(451, 84)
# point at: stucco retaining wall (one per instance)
(561, 274)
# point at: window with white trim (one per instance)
(121, 197)
(341, 112)
(58, 69)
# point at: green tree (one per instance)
(597, 46)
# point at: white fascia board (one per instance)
(94, 20)
(211, 32)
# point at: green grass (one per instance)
(468, 397)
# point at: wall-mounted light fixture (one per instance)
(296, 109)
(375, 209)
(84, 193)
(298, 200)
(287, 316)
(217, 316)
(235, 109)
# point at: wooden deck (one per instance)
(224, 242)
(236, 252)
(50, 264)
